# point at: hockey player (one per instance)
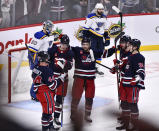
(95, 27)
(40, 42)
(124, 53)
(61, 58)
(84, 76)
(132, 81)
(44, 86)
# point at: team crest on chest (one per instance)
(100, 24)
(86, 59)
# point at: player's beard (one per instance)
(99, 13)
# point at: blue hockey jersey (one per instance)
(58, 55)
(134, 71)
(43, 76)
(84, 65)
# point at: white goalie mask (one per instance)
(48, 26)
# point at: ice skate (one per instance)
(88, 118)
(56, 124)
(124, 125)
(120, 120)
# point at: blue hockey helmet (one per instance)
(135, 43)
(86, 40)
(43, 56)
(125, 39)
(65, 39)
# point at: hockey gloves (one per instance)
(60, 64)
(62, 77)
(114, 69)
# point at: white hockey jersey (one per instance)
(40, 42)
(95, 24)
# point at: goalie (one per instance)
(41, 42)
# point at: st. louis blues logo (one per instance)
(99, 24)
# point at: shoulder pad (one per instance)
(104, 16)
(40, 35)
(92, 15)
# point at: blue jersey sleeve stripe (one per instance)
(86, 28)
(32, 48)
(91, 15)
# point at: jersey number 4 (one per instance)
(51, 79)
(38, 80)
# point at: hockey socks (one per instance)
(47, 121)
(88, 109)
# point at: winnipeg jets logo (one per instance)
(86, 59)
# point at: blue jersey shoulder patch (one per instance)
(91, 15)
(39, 35)
(104, 16)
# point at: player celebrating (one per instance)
(124, 53)
(132, 82)
(95, 27)
(61, 61)
(84, 76)
(44, 86)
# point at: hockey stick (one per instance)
(116, 57)
(29, 52)
(116, 39)
(62, 103)
(104, 66)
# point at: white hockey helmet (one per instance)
(99, 6)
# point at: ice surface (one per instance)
(28, 113)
